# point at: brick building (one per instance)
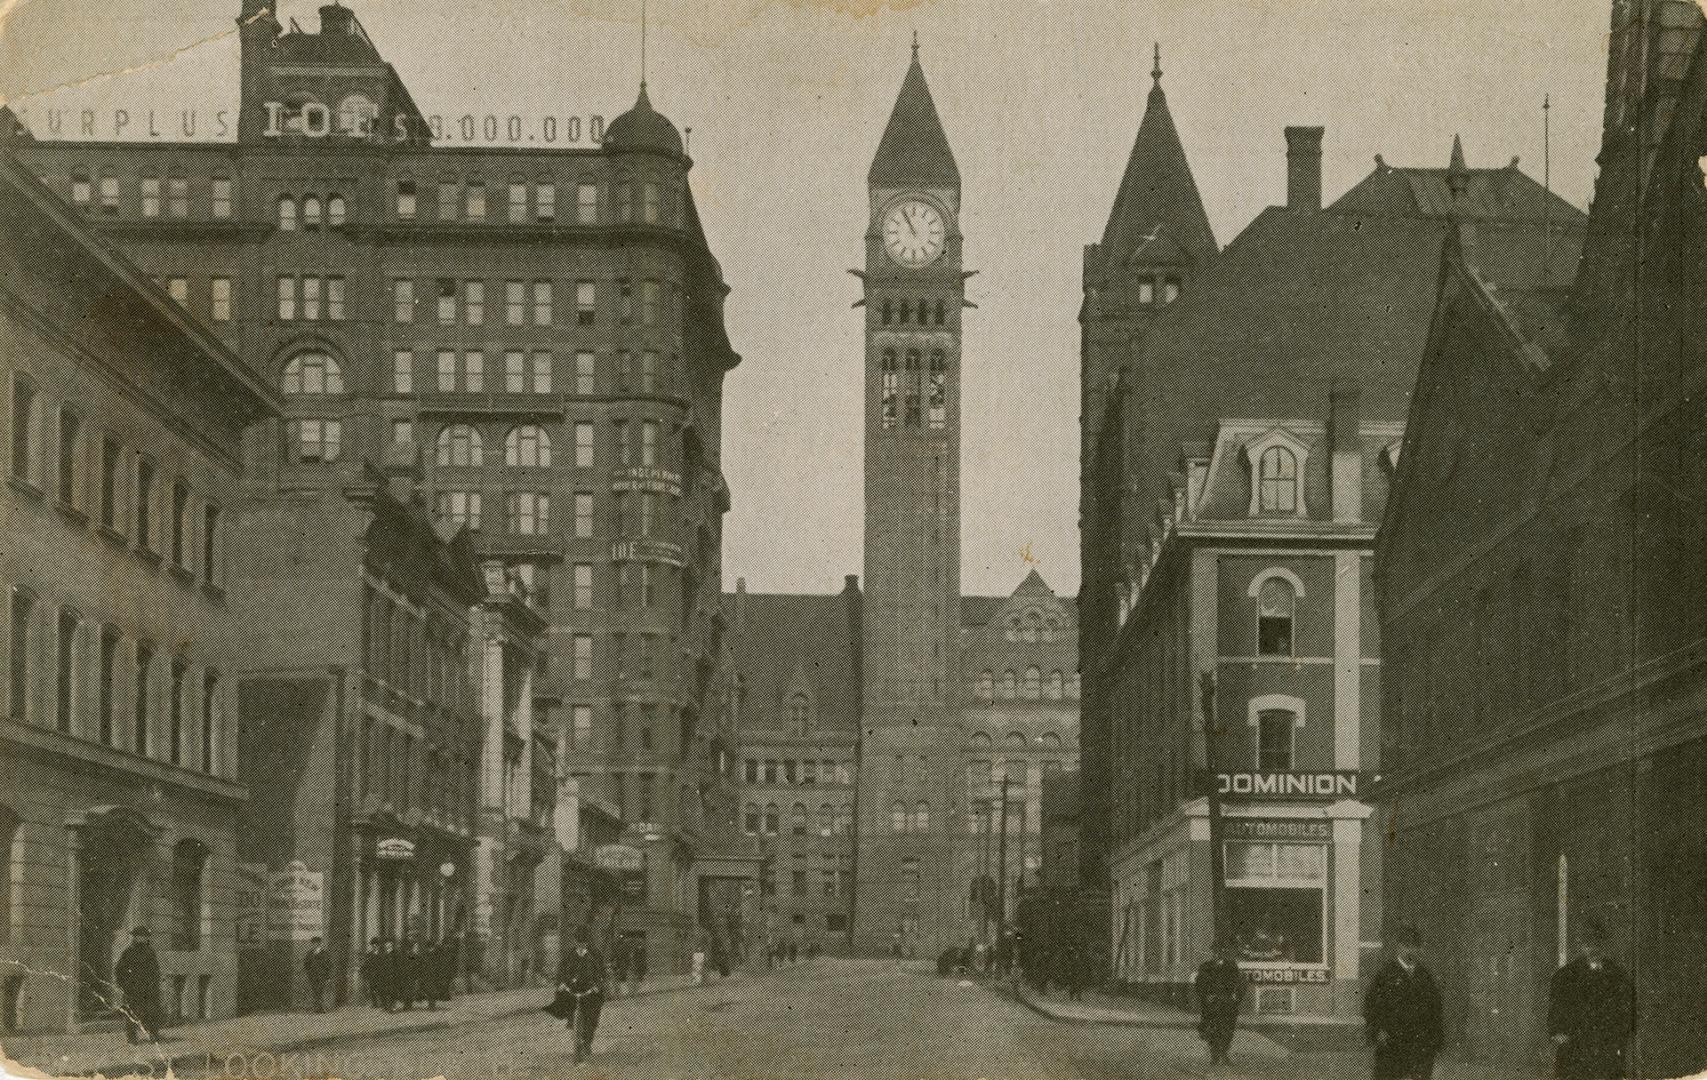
(1306, 294)
(1541, 590)
(118, 749)
(545, 324)
(1261, 576)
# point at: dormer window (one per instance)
(356, 114)
(1277, 481)
(1170, 289)
(799, 714)
(1147, 291)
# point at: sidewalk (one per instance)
(106, 1052)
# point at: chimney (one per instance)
(1345, 468)
(1304, 168)
(336, 19)
(739, 615)
(402, 471)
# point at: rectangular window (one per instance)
(583, 644)
(583, 515)
(403, 371)
(402, 432)
(65, 668)
(403, 300)
(624, 371)
(649, 372)
(80, 188)
(144, 503)
(447, 371)
(474, 206)
(586, 203)
(459, 508)
(178, 196)
(474, 302)
(624, 302)
(541, 371)
(542, 303)
(648, 508)
(311, 297)
(319, 441)
(583, 445)
(448, 197)
(139, 697)
(649, 442)
(649, 303)
(515, 303)
(624, 453)
(545, 201)
(406, 200)
(180, 549)
(220, 302)
(175, 712)
(70, 436)
(210, 718)
(649, 202)
(23, 610)
(583, 586)
(447, 301)
(586, 383)
(1277, 891)
(1275, 730)
(581, 727)
(530, 513)
(151, 196)
(287, 298)
(178, 289)
(221, 197)
(210, 543)
(25, 429)
(109, 482)
(474, 371)
(108, 689)
(586, 302)
(518, 202)
(514, 381)
(335, 299)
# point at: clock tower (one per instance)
(914, 295)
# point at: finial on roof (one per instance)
(1156, 68)
(1457, 173)
(1380, 162)
(915, 46)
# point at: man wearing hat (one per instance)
(1220, 988)
(1402, 1012)
(137, 975)
(1591, 1012)
(317, 965)
(581, 990)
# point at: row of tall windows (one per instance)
(100, 685)
(912, 312)
(310, 213)
(468, 199)
(219, 295)
(310, 297)
(829, 820)
(906, 394)
(532, 371)
(103, 192)
(1033, 686)
(648, 302)
(790, 771)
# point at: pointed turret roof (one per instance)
(914, 149)
(1158, 197)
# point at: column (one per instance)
(1348, 659)
(1346, 881)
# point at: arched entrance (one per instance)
(113, 846)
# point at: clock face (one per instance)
(913, 233)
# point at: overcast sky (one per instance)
(787, 99)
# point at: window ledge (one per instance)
(24, 487)
(213, 592)
(182, 573)
(113, 536)
(70, 513)
(149, 556)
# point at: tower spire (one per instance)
(915, 46)
(642, 44)
(1156, 68)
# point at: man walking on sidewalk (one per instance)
(1402, 1013)
(1220, 988)
(138, 977)
(318, 967)
(1591, 1012)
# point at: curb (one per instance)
(1086, 1021)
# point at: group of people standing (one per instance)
(1591, 1010)
(408, 971)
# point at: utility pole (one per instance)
(1217, 857)
(1002, 864)
(983, 894)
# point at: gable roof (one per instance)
(914, 148)
(1502, 194)
(1158, 196)
(778, 640)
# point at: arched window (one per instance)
(844, 820)
(826, 819)
(459, 444)
(941, 312)
(1006, 690)
(189, 863)
(312, 374)
(750, 822)
(922, 817)
(527, 445)
(799, 714)
(1277, 481)
(1051, 629)
(797, 819)
(1033, 683)
(1033, 623)
(336, 210)
(898, 818)
(311, 212)
(936, 391)
(986, 688)
(1275, 728)
(287, 214)
(980, 740)
(623, 189)
(1052, 688)
(923, 312)
(1049, 740)
(1276, 602)
(772, 816)
(1014, 741)
(888, 312)
(889, 384)
(1012, 633)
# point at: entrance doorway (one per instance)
(111, 884)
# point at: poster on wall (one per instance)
(251, 900)
(296, 904)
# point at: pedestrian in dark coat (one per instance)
(581, 990)
(1591, 1013)
(317, 965)
(389, 961)
(137, 975)
(1220, 987)
(407, 970)
(432, 974)
(372, 959)
(1402, 1013)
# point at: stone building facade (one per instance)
(119, 761)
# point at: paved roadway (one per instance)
(870, 1020)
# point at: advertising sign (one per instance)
(395, 848)
(653, 551)
(296, 903)
(251, 900)
(1328, 784)
(646, 478)
(1297, 831)
(1288, 976)
(617, 857)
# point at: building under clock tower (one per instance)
(914, 294)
